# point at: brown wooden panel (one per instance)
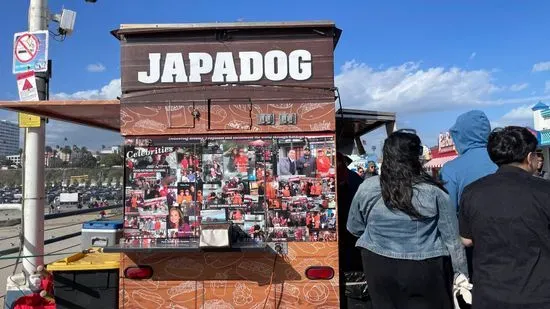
(144, 113)
(233, 280)
(230, 118)
(231, 114)
(102, 114)
(182, 116)
(296, 50)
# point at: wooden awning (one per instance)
(103, 114)
(355, 123)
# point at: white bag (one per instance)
(214, 236)
(462, 287)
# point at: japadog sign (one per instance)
(446, 143)
(253, 55)
(227, 67)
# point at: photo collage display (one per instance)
(271, 189)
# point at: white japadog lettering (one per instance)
(275, 65)
(299, 64)
(174, 66)
(251, 66)
(154, 70)
(224, 68)
(199, 63)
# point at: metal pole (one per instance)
(33, 233)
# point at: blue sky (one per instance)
(426, 60)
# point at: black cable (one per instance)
(77, 223)
(46, 242)
(53, 253)
(341, 112)
(271, 280)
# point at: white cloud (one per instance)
(547, 86)
(408, 87)
(519, 87)
(109, 91)
(519, 113)
(95, 67)
(541, 66)
(519, 116)
(57, 131)
(472, 55)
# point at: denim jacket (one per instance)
(394, 234)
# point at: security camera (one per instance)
(91, 1)
(66, 21)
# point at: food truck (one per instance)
(231, 133)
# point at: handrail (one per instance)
(57, 227)
(63, 237)
(66, 248)
(46, 242)
(79, 212)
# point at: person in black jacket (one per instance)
(352, 291)
(506, 218)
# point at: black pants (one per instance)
(408, 284)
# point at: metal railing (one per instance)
(61, 215)
(59, 238)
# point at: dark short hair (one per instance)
(511, 145)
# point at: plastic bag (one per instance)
(462, 292)
(356, 285)
(33, 301)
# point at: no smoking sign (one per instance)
(26, 47)
(30, 52)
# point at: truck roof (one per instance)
(147, 28)
(285, 26)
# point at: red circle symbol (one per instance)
(26, 47)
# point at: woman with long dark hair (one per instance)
(408, 231)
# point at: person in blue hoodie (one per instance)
(470, 134)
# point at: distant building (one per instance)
(65, 157)
(47, 157)
(541, 120)
(16, 159)
(114, 149)
(9, 138)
